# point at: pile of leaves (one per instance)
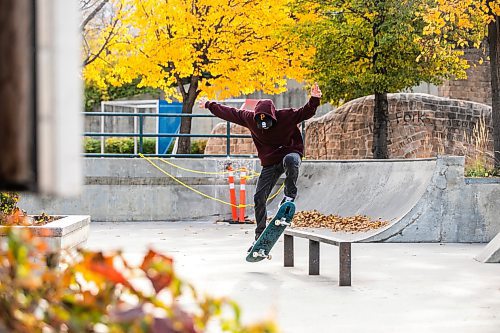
(314, 219)
(99, 292)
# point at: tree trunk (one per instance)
(380, 126)
(493, 40)
(189, 98)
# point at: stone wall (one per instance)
(240, 146)
(420, 126)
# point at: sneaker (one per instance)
(286, 199)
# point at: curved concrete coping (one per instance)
(389, 190)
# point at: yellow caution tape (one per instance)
(199, 192)
(206, 172)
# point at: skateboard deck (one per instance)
(272, 233)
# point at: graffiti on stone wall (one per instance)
(412, 118)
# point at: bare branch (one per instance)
(104, 45)
(93, 14)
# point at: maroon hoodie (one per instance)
(282, 138)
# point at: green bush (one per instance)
(91, 145)
(480, 170)
(126, 146)
(119, 145)
(198, 146)
(148, 146)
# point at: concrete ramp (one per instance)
(425, 200)
(388, 190)
(491, 253)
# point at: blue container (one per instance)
(168, 125)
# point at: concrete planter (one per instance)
(66, 233)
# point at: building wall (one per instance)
(477, 86)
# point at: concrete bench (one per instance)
(314, 240)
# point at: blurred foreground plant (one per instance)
(101, 292)
(10, 213)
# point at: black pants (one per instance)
(267, 179)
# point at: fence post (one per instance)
(141, 131)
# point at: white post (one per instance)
(59, 93)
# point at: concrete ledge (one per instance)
(63, 234)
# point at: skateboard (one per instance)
(272, 233)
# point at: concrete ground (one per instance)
(395, 287)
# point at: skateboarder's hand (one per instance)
(315, 91)
(202, 102)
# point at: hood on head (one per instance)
(265, 106)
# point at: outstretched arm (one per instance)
(227, 113)
(309, 110)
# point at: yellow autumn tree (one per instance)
(458, 24)
(214, 48)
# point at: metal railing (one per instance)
(140, 135)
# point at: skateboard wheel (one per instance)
(269, 257)
(255, 254)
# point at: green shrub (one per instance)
(148, 146)
(478, 169)
(198, 146)
(126, 146)
(98, 292)
(91, 145)
(119, 146)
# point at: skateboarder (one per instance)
(279, 144)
